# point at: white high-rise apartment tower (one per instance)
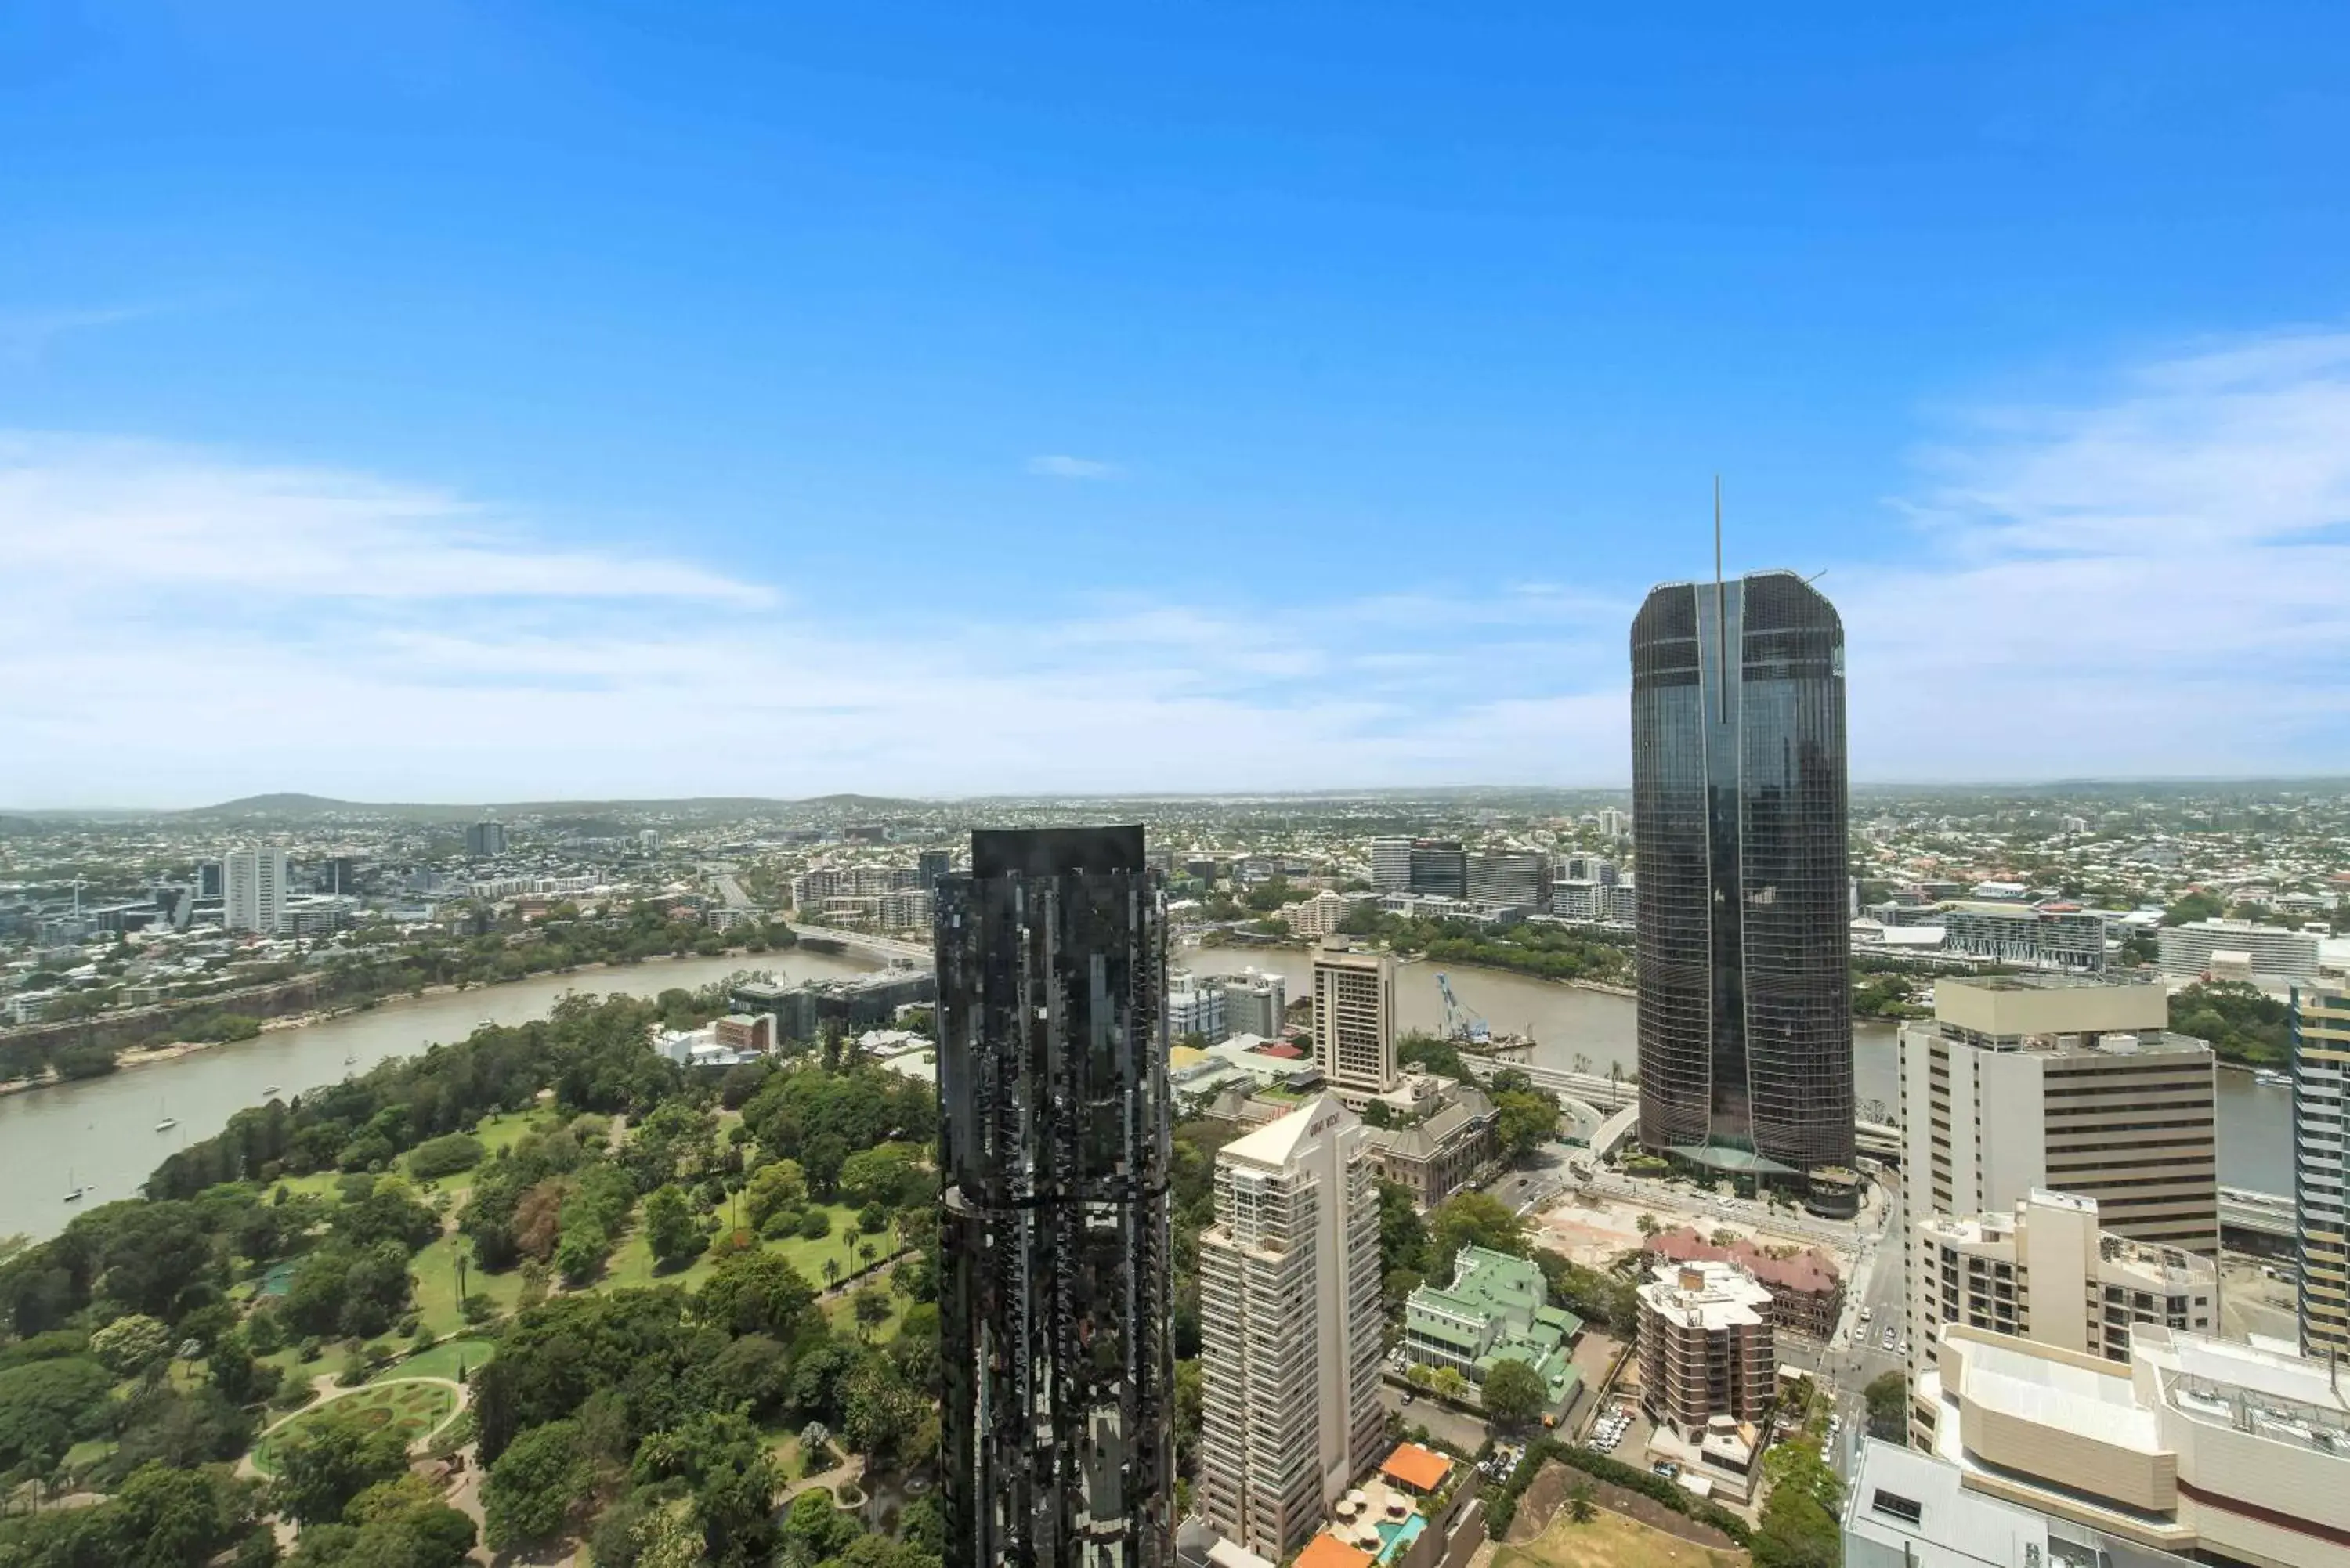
(1290, 1323)
(1354, 1020)
(253, 889)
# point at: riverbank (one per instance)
(131, 1057)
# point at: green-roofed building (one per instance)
(1497, 1308)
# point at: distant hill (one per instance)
(281, 804)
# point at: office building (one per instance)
(1290, 1324)
(1391, 864)
(1515, 878)
(1614, 822)
(929, 865)
(1707, 1353)
(1441, 867)
(1255, 1004)
(1904, 1508)
(1354, 1020)
(1058, 1444)
(1195, 1006)
(2061, 936)
(1738, 820)
(2221, 1452)
(485, 840)
(2059, 1081)
(208, 879)
(2046, 1272)
(2320, 1162)
(2270, 951)
(1496, 1308)
(254, 895)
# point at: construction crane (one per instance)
(1459, 1024)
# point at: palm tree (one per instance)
(832, 1271)
(866, 1253)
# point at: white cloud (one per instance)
(188, 626)
(1060, 466)
(2153, 583)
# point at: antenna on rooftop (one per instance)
(1720, 613)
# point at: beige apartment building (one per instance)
(2073, 1085)
(1291, 1319)
(2321, 1165)
(1354, 1020)
(2214, 1450)
(2046, 1272)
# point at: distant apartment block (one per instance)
(1290, 1328)
(2321, 1144)
(1391, 864)
(2046, 1272)
(2061, 936)
(1255, 1004)
(1354, 1019)
(254, 883)
(2271, 950)
(485, 840)
(2065, 1082)
(1195, 1006)
(1320, 915)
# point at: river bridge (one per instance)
(891, 951)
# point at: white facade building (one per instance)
(2274, 951)
(1290, 1328)
(253, 889)
(1195, 1007)
(1319, 916)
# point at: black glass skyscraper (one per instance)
(1057, 1440)
(1737, 821)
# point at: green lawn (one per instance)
(446, 1359)
(632, 1267)
(435, 1272)
(412, 1410)
(841, 1311)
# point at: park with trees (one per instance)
(673, 1300)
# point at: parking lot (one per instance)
(1458, 1428)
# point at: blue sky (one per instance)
(449, 401)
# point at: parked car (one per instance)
(1407, 1397)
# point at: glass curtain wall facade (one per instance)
(1058, 1417)
(1737, 821)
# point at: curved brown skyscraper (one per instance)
(1058, 1437)
(1737, 821)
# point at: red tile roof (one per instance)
(1423, 1470)
(1326, 1550)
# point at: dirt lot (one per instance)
(1611, 1541)
(1544, 1498)
(1593, 1230)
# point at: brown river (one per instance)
(102, 1132)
